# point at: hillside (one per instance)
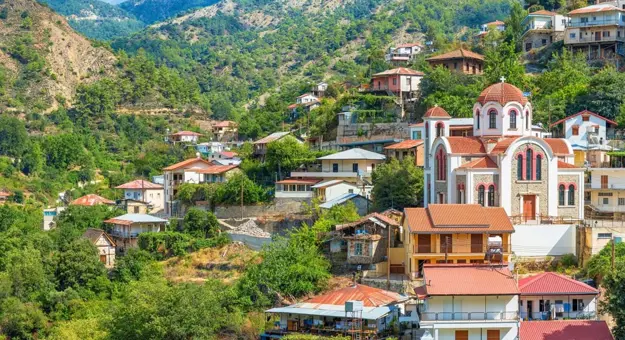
(42, 60)
(150, 11)
(96, 19)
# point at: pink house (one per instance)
(397, 80)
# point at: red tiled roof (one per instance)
(225, 123)
(436, 111)
(229, 154)
(409, 45)
(503, 145)
(407, 144)
(457, 54)
(377, 216)
(371, 297)
(466, 145)
(418, 124)
(305, 95)
(457, 218)
(502, 93)
(543, 12)
(564, 165)
(216, 169)
(468, 279)
(495, 23)
(565, 330)
(186, 164)
(292, 106)
(309, 181)
(558, 146)
(139, 184)
(91, 200)
(186, 133)
(595, 9)
(584, 112)
(554, 284)
(398, 71)
(480, 163)
(5, 194)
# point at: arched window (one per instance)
(519, 168)
(477, 119)
(480, 195)
(440, 129)
(492, 119)
(561, 195)
(571, 194)
(539, 165)
(529, 157)
(513, 119)
(444, 167)
(491, 196)
(441, 163)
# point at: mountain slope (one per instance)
(150, 11)
(96, 19)
(42, 60)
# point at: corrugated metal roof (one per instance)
(128, 219)
(355, 153)
(565, 330)
(370, 296)
(339, 200)
(272, 137)
(553, 284)
(456, 54)
(299, 309)
(91, 200)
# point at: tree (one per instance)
(27, 274)
(286, 155)
(33, 159)
(134, 265)
(20, 320)
(614, 303)
(230, 192)
(599, 264)
(397, 184)
(13, 136)
(605, 96)
(503, 61)
(514, 26)
(201, 223)
(79, 265)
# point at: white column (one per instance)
(436, 334)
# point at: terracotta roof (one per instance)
(565, 330)
(554, 284)
(229, 154)
(543, 12)
(216, 169)
(468, 279)
(558, 146)
(480, 163)
(466, 145)
(186, 164)
(436, 111)
(225, 123)
(377, 216)
(418, 124)
(457, 218)
(457, 54)
(584, 112)
(186, 133)
(306, 95)
(292, 106)
(596, 9)
(407, 144)
(139, 184)
(495, 23)
(399, 71)
(309, 181)
(4, 193)
(565, 165)
(502, 93)
(503, 145)
(409, 45)
(371, 297)
(94, 235)
(91, 200)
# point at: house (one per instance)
(260, 146)
(542, 28)
(585, 131)
(551, 296)
(565, 330)
(105, 245)
(502, 164)
(335, 313)
(362, 203)
(153, 195)
(92, 200)
(307, 101)
(226, 130)
(4, 196)
(469, 301)
(458, 127)
(455, 233)
(604, 190)
(408, 148)
(319, 89)
(370, 143)
(496, 25)
(296, 188)
(132, 206)
(400, 81)
(185, 137)
(49, 217)
(328, 190)
(403, 53)
(460, 60)
(597, 31)
(218, 173)
(209, 148)
(225, 158)
(367, 243)
(125, 229)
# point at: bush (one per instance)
(568, 260)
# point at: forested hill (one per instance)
(150, 11)
(238, 50)
(42, 60)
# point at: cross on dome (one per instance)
(503, 79)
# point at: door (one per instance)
(530, 309)
(597, 36)
(529, 207)
(493, 334)
(462, 335)
(424, 244)
(103, 259)
(477, 245)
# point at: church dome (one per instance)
(502, 93)
(437, 112)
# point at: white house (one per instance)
(551, 296)
(296, 188)
(49, 216)
(306, 98)
(330, 189)
(105, 245)
(145, 191)
(125, 229)
(596, 30)
(403, 53)
(319, 89)
(469, 301)
(543, 28)
(210, 147)
(185, 137)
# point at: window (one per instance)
(136, 210)
(477, 119)
(544, 42)
(621, 201)
(394, 81)
(561, 195)
(572, 35)
(408, 81)
(455, 66)
(529, 158)
(584, 20)
(492, 119)
(440, 129)
(604, 235)
(480, 195)
(491, 196)
(585, 118)
(335, 167)
(355, 167)
(571, 194)
(575, 130)
(604, 181)
(606, 201)
(512, 119)
(539, 165)
(606, 34)
(358, 249)
(605, 194)
(544, 305)
(427, 130)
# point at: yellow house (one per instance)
(456, 233)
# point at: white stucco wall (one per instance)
(590, 305)
(543, 240)
(583, 128)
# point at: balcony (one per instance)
(124, 234)
(477, 248)
(470, 316)
(547, 27)
(592, 39)
(329, 174)
(579, 315)
(596, 23)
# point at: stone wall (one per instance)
(569, 210)
(486, 180)
(538, 188)
(234, 211)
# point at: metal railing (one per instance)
(544, 219)
(456, 248)
(470, 316)
(594, 23)
(592, 38)
(124, 235)
(580, 315)
(547, 26)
